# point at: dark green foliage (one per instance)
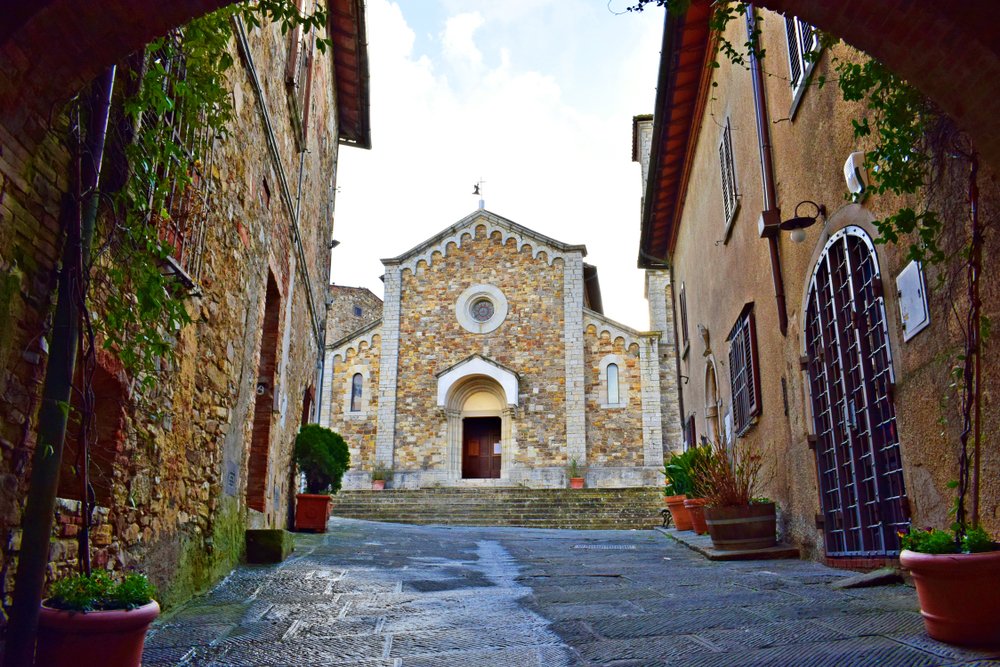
(935, 541)
(323, 457)
(681, 472)
(99, 592)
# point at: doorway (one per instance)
(850, 376)
(481, 448)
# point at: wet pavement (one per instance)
(372, 595)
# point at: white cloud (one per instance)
(554, 149)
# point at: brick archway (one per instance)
(948, 50)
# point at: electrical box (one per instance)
(911, 292)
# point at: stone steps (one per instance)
(598, 509)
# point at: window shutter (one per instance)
(794, 51)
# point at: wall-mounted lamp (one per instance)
(798, 224)
(334, 243)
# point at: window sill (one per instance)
(730, 222)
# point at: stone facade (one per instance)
(719, 269)
(534, 358)
(175, 492)
(348, 310)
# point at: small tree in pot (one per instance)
(323, 458)
(680, 485)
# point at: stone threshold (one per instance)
(703, 545)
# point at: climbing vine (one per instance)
(176, 109)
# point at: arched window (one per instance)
(356, 393)
(613, 394)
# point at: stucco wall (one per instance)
(723, 273)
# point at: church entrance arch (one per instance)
(479, 427)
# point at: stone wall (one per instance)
(614, 431)
(176, 504)
(342, 316)
(530, 342)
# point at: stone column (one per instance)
(385, 436)
(454, 445)
(507, 441)
(659, 294)
(652, 422)
(576, 420)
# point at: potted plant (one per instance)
(323, 458)
(95, 620)
(380, 475)
(736, 518)
(677, 473)
(956, 572)
(575, 474)
(697, 460)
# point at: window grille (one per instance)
(744, 373)
(729, 196)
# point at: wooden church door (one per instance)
(481, 447)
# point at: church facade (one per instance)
(493, 364)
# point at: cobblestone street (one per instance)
(387, 594)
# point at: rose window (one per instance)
(482, 310)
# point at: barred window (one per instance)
(803, 44)
(744, 371)
(729, 196)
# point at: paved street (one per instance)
(374, 595)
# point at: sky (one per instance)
(534, 97)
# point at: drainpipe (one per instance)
(770, 217)
(79, 216)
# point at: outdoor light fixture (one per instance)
(797, 225)
(334, 243)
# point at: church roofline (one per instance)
(477, 356)
(604, 319)
(355, 334)
(475, 216)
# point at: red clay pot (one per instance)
(679, 513)
(378, 484)
(696, 509)
(744, 527)
(576, 482)
(957, 594)
(71, 639)
(312, 510)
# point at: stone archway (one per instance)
(476, 397)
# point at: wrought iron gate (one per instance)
(850, 374)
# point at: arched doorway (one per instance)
(712, 404)
(862, 495)
(480, 423)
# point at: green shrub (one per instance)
(935, 541)
(323, 457)
(100, 592)
(977, 540)
(682, 472)
(381, 473)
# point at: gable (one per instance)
(465, 229)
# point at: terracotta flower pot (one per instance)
(696, 509)
(312, 510)
(957, 594)
(378, 484)
(576, 482)
(115, 637)
(744, 527)
(679, 513)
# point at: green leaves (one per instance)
(98, 591)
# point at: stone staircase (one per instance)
(594, 509)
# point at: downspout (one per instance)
(770, 217)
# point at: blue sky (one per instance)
(534, 96)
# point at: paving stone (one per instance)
(374, 595)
